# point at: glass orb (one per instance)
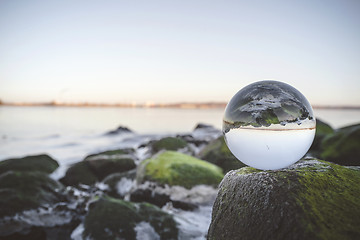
(269, 125)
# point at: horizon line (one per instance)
(183, 104)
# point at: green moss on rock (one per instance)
(111, 218)
(168, 143)
(218, 153)
(41, 163)
(25, 190)
(174, 168)
(97, 166)
(343, 146)
(309, 200)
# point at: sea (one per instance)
(68, 134)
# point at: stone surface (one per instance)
(111, 218)
(42, 163)
(343, 146)
(322, 130)
(309, 200)
(96, 167)
(218, 153)
(26, 190)
(168, 143)
(174, 168)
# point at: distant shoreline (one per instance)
(180, 105)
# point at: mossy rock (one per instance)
(322, 130)
(218, 153)
(309, 200)
(168, 143)
(174, 168)
(110, 218)
(42, 163)
(26, 190)
(343, 146)
(110, 153)
(79, 173)
(97, 166)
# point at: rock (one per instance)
(26, 190)
(79, 173)
(343, 146)
(168, 143)
(311, 199)
(174, 168)
(120, 184)
(41, 163)
(159, 199)
(322, 130)
(97, 166)
(202, 125)
(119, 130)
(110, 218)
(218, 153)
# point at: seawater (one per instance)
(269, 149)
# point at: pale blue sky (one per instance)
(169, 51)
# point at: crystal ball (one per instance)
(269, 125)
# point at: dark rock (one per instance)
(322, 130)
(26, 190)
(79, 173)
(41, 163)
(202, 125)
(96, 167)
(158, 199)
(174, 168)
(119, 130)
(217, 152)
(308, 200)
(126, 180)
(343, 146)
(168, 143)
(111, 218)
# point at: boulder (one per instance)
(97, 166)
(110, 218)
(343, 146)
(218, 153)
(26, 190)
(119, 130)
(311, 199)
(322, 130)
(42, 163)
(168, 143)
(174, 168)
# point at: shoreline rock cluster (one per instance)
(118, 195)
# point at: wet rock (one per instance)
(322, 130)
(343, 146)
(120, 184)
(119, 130)
(168, 143)
(111, 218)
(41, 163)
(202, 126)
(309, 200)
(97, 166)
(217, 152)
(26, 190)
(159, 199)
(174, 168)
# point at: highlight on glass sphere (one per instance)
(269, 125)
